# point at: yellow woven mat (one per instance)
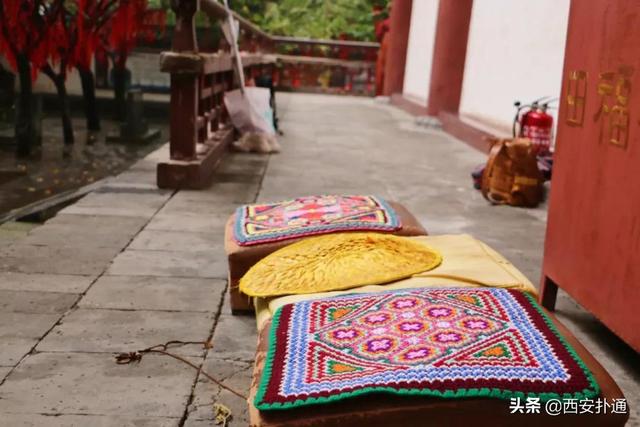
(338, 261)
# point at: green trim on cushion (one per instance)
(268, 363)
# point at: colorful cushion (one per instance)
(447, 343)
(305, 216)
(337, 261)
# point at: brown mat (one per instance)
(242, 258)
(389, 410)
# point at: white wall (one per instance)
(43, 84)
(422, 34)
(145, 70)
(515, 52)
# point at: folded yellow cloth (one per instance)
(466, 262)
(338, 261)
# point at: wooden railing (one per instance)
(200, 130)
(326, 66)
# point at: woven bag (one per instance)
(512, 176)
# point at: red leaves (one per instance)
(32, 28)
(71, 32)
(15, 31)
(126, 25)
(87, 32)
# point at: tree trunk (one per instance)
(63, 99)
(25, 134)
(120, 92)
(65, 111)
(89, 97)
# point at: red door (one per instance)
(592, 248)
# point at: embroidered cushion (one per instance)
(305, 216)
(444, 343)
(337, 261)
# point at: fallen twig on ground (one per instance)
(136, 356)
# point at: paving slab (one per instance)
(169, 263)
(155, 293)
(86, 230)
(237, 178)
(67, 235)
(4, 371)
(149, 165)
(120, 186)
(189, 207)
(234, 374)
(139, 177)
(235, 338)
(78, 383)
(150, 162)
(13, 349)
(125, 199)
(14, 230)
(202, 423)
(19, 333)
(45, 282)
(118, 204)
(56, 420)
(36, 302)
(85, 260)
(243, 163)
(103, 222)
(94, 330)
(181, 241)
(139, 211)
(132, 186)
(196, 223)
(230, 192)
(226, 306)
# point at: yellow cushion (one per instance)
(337, 261)
(466, 262)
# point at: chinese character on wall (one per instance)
(614, 89)
(576, 97)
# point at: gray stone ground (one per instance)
(130, 266)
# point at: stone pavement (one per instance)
(130, 266)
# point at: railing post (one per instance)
(200, 129)
(184, 86)
(184, 37)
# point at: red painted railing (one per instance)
(327, 66)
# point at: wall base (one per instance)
(407, 105)
(472, 132)
(466, 132)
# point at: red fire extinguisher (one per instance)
(532, 121)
